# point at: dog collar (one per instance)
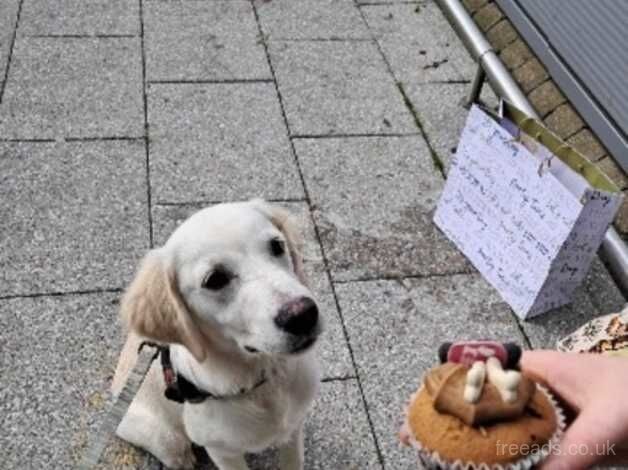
(181, 390)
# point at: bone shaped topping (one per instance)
(506, 381)
(446, 385)
(475, 382)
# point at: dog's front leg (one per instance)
(291, 453)
(228, 462)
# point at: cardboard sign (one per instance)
(526, 209)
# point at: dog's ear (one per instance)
(284, 221)
(153, 307)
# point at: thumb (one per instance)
(567, 374)
(587, 441)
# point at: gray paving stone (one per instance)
(395, 329)
(58, 359)
(544, 330)
(442, 114)
(80, 17)
(338, 87)
(374, 198)
(311, 19)
(333, 349)
(166, 219)
(218, 142)
(367, 2)
(8, 15)
(201, 40)
(604, 293)
(73, 88)
(418, 42)
(75, 215)
(337, 433)
(120, 455)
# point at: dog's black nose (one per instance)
(298, 317)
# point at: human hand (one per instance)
(595, 387)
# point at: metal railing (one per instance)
(613, 251)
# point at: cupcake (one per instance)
(478, 411)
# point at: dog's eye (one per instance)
(218, 279)
(277, 247)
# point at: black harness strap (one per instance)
(181, 390)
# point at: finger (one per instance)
(589, 440)
(567, 374)
(404, 436)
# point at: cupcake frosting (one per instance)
(446, 386)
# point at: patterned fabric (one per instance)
(606, 335)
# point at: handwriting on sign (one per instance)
(599, 196)
(570, 270)
(487, 259)
(531, 236)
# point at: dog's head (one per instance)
(230, 273)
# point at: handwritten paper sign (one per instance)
(527, 221)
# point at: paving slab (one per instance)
(80, 17)
(311, 19)
(219, 142)
(395, 328)
(338, 87)
(8, 16)
(546, 329)
(120, 455)
(602, 290)
(374, 198)
(73, 87)
(58, 359)
(201, 40)
(333, 349)
(75, 216)
(440, 108)
(337, 434)
(418, 42)
(370, 2)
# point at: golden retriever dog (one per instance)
(228, 298)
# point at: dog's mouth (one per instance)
(303, 344)
(298, 346)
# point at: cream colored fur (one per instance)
(209, 333)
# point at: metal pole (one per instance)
(476, 87)
(613, 250)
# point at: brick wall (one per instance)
(549, 102)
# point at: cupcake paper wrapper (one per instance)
(431, 460)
